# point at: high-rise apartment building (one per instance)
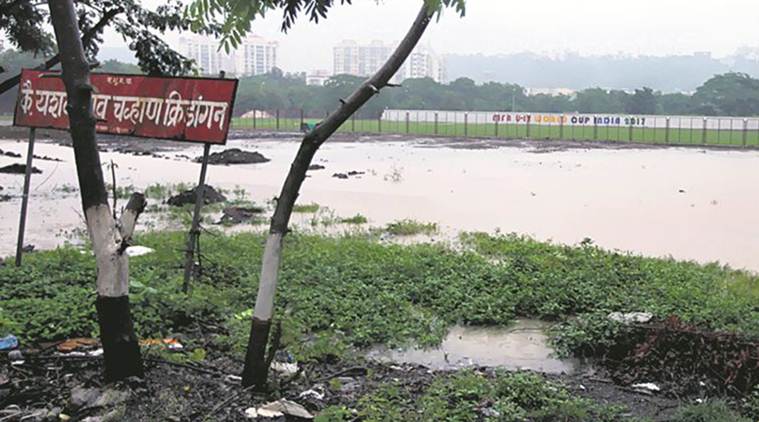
(254, 55)
(364, 60)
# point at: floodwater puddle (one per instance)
(521, 346)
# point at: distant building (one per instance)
(318, 77)
(550, 91)
(352, 58)
(254, 55)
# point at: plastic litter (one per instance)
(251, 413)
(284, 407)
(647, 386)
(286, 369)
(73, 344)
(8, 342)
(631, 317)
(169, 343)
(133, 251)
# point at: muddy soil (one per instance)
(43, 383)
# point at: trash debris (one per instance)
(76, 343)
(631, 317)
(251, 413)
(284, 407)
(8, 342)
(133, 251)
(16, 357)
(285, 369)
(315, 393)
(646, 387)
(169, 343)
(233, 379)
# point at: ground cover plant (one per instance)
(342, 294)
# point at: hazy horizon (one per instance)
(492, 27)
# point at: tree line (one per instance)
(729, 94)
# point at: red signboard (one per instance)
(180, 109)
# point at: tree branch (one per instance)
(49, 63)
(128, 220)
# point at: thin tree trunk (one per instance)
(109, 240)
(49, 63)
(255, 371)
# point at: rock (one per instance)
(239, 215)
(348, 385)
(53, 414)
(235, 156)
(316, 167)
(315, 393)
(340, 175)
(284, 407)
(90, 398)
(251, 413)
(18, 169)
(138, 251)
(631, 317)
(211, 196)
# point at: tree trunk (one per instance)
(109, 240)
(255, 371)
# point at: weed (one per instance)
(710, 411)
(411, 228)
(306, 208)
(356, 219)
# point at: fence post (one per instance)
(496, 126)
(703, 133)
(25, 197)
(353, 123)
(379, 123)
(466, 124)
(277, 114)
(254, 118)
(630, 131)
(595, 128)
(436, 118)
(561, 128)
(408, 118)
(529, 120)
(666, 132)
(745, 131)
(301, 119)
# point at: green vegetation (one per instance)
(472, 396)
(356, 219)
(711, 411)
(411, 228)
(390, 294)
(306, 208)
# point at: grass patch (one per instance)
(306, 208)
(356, 219)
(411, 228)
(471, 396)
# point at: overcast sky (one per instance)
(657, 27)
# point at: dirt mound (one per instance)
(18, 169)
(210, 196)
(239, 215)
(235, 156)
(684, 359)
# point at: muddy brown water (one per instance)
(522, 346)
(685, 203)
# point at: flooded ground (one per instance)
(685, 203)
(522, 346)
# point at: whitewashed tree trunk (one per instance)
(255, 371)
(109, 238)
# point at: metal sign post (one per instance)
(25, 197)
(192, 238)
